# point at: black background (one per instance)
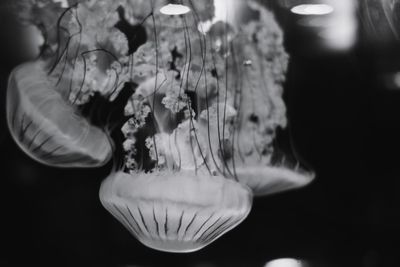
(344, 122)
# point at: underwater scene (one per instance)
(200, 133)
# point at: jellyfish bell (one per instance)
(86, 55)
(266, 176)
(46, 127)
(45, 97)
(242, 127)
(175, 211)
(256, 159)
(269, 179)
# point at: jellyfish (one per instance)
(201, 85)
(199, 139)
(175, 211)
(46, 97)
(46, 127)
(254, 157)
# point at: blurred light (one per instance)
(396, 79)
(341, 32)
(32, 40)
(391, 80)
(316, 22)
(337, 28)
(225, 10)
(64, 3)
(220, 10)
(284, 263)
(312, 9)
(173, 9)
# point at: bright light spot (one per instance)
(228, 10)
(312, 9)
(221, 10)
(33, 38)
(247, 63)
(173, 9)
(338, 30)
(204, 27)
(224, 10)
(391, 80)
(341, 30)
(284, 263)
(396, 79)
(64, 3)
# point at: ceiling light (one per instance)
(312, 9)
(284, 263)
(173, 9)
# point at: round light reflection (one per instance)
(312, 9)
(285, 263)
(174, 9)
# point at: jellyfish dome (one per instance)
(46, 127)
(45, 97)
(175, 211)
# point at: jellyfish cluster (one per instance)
(185, 98)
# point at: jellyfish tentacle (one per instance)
(202, 52)
(156, 77)
(220, 145)
(198, 143)
(58, 57)
(238, 101)
(76, 52)
(208, 124)
(188, 48)
(186, 68)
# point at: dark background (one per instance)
(345, 123)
